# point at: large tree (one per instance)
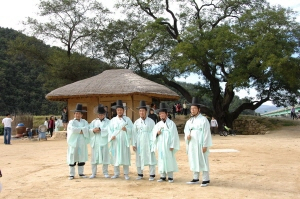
(143, 47)
(71, 22)
(232, 45)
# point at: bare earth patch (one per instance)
(265, 166)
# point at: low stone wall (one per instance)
(59, 135)
(249, 127)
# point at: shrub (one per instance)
(1, 129)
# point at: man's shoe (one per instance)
(194, 181)
(106, 176)
(127, 177)
(82, 176)
(170, 180)
(151, 178)
(71, 177)
(114, 176)
(139, 178)
(205, 183)
(92, 176)
(161, 180)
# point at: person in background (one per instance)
(64, 117)
(174, 108)
(213, 125)
(29, 133)
(153, 106)
(46, 124)
(98, 129)
(166, 141)
(184, 106)
(106, 112)
(56, 124)
(142, 143)
(153, 116)
(197, 137)
(42, 129)
(7, 128)
(293, 113)
(169, 116)
(78, 138)
(51, 125)
(229, 130)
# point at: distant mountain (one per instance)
(266, 108)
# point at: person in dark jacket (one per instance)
(64, 118)
(51, 125)
(153, 116)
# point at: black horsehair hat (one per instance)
(142, 105)
(101, 109)
(79, 108)
(163, 107)
(119, 104)
(195, 102)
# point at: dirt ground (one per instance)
(265, 166)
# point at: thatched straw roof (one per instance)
(112, 83)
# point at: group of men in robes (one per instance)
(110, 142)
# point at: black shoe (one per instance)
(162, 180)
(205, 183)
(194, 181)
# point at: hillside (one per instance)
(266, 108)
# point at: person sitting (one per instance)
(42, 132)
(229, 131)
(28, 133)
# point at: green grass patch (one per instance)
(40, 119)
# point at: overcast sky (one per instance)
(13, 12)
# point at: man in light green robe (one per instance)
(119, 135)
(77, 139)
(198, 140)
(142, 143)
(99, 142)
(167, 142)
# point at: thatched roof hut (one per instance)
(109, 86)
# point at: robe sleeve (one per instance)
(92, 135)
(104, 129)
(150, 126)
(129, 126)
(72, 133)
(186, 133)
(207, 141)
(186, 130)
(175, 137)
(85, 131)
(110, 129)
(154, 137)
(134, 134)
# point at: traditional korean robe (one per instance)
(77, 143)
(99, 142)
(142, 139)
(120, 147)
(199, 128)
(167, 139)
